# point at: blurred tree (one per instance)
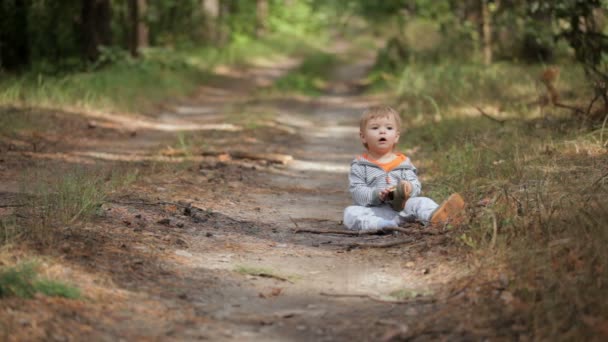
(139, 37)
(96, 19)
(486, 31)
(14, 42)
(261, 17)
(211, 25)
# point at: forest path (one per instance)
(272, 284)
(203, 246)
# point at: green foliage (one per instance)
(56, 289)
(428, 90)
(126, 85)
(310, 77)
(22, 281)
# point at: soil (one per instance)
(203, 246)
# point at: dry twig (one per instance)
(483, 113)
(12, 205)
(379, 299)
(380, 245)
(273, 276)
(369, 232)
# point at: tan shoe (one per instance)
(450, 211)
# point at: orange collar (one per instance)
(387, 167)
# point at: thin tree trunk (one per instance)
(211, 25)
(261, 17)
(486, 29)
(96, 20)
(140, 34)
(222, 22)
(14, 40)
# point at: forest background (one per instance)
(534, 73)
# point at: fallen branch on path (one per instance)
(154, 203)
(276, 158)
(380, 245)
(369, 232)
(269, 275)
(483, 113)
(379, 299)
(12, 205)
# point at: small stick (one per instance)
(337, 231)
(494, 230)
(500, 121)
(572, 108)
(12, 205)
(597, 181)
(380, 245)
(368, 232)
(156, 203)
(378, 299)
(268, 275)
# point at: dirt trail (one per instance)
(233, 269)
(310, 192)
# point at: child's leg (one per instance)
(370, 218)
(418, 208)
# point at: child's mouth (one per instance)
(382, 139)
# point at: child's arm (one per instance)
(362, 194)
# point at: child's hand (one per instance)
(383, 195)
(407, 188)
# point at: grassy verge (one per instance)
(53, 201)
(536, 190)
(126, 84)
(23, 281)
(426, 89)
(310, 78)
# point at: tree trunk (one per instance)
(222, 22)
(96, 20)
(261, 17)
(14, 40)
(140, 34)
(211, 25)
(486, 32)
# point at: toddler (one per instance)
(384, 184)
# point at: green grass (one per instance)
(124, 87)
(310, 78)
(9, 229)
(59, 199)
(23, 281)
(122, 83)
(426, 89)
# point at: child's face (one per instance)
(380, 134)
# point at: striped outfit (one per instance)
(367, 178)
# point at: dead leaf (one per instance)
(597, 323)
(224, 157)
(275, 291)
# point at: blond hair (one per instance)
(379, 112)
